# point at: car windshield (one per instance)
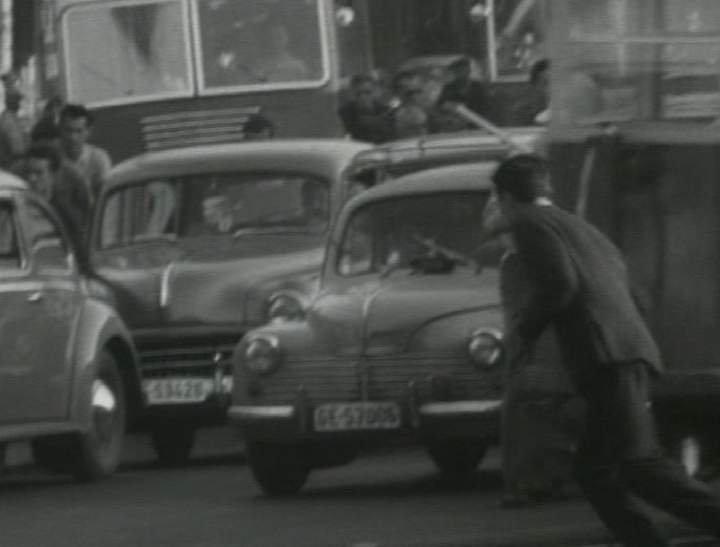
(230, 204)
(396, 233)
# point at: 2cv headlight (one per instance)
(485, 348)
(285, 306)
(262, 354)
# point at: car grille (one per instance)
(183, 129)
(187, 357)
(385, 379)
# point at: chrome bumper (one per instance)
(454, 408)
(244, 413)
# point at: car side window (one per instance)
(47, 246)
(139, 213)
(10, 254)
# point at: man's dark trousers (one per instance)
(619, 454)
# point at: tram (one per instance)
(634, 145)
(168, 73)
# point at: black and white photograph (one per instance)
(359, 273)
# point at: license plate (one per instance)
(163, 391)
(355, 416)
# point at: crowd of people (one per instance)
(56, 159)
(414, 103)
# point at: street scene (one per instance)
(359, 273)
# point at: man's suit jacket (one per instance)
(580, 285)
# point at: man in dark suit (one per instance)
(580, 287)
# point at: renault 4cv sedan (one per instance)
(201, 244)
(402, 340)
(68, 374)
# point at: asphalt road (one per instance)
(384, 499)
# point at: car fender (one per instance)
(453, 331)
(99, 328)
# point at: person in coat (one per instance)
(580, 287)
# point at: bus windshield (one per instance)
(127, 51)
(259, 43)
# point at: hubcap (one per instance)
(104, 406)
(690, 455)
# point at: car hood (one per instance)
(197, 291)
(211, 281)
(385, 317)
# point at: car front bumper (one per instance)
(436, 419)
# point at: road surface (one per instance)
(389, 498)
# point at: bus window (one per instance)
(120, 51)
(641, 60)
(260, 43)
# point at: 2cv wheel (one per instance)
(456, 457)
(99, 449)
(173, 443)
(95, 453)
(279, 469)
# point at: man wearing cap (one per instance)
(12, 136)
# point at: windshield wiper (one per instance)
(437, 250)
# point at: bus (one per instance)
(634, 146)
(169, 73)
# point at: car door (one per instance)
(40, 382)
(19, 300)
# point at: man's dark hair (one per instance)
(75, 112)
(45, 151)
(522, 176)
(537, 68)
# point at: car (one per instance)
(402, 340)
(69, 381)
(201, 244)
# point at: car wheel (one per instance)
(95, 453)
(456, 457)
(279, 469)
(173, 443)
(98, 450)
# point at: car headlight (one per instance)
(486, 347)
(285, 306)
(262, 354)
